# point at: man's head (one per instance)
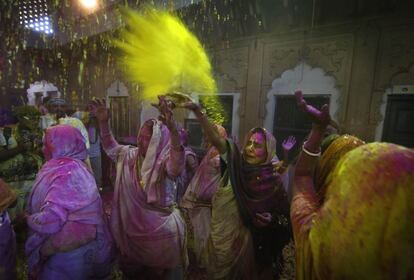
(58, 107)
(255, 150)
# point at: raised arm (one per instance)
(311, 148)
(176, 161)
(109, 144)
(209, 129)
(304, 199)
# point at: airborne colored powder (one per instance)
(162, 55)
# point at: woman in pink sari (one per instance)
(145, 222)
(352, 206)
(68, 236)
(197, 199)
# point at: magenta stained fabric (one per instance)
(148, 229)
(65, 208)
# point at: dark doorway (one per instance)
(399, 118)
(119, 108)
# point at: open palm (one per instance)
(320, 117)
(289, 143)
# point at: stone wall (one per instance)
(365, 58)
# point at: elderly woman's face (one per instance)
(144, 138)
(254, 151)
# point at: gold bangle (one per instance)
(310, 153)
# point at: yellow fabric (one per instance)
(229, 252)
(303, 211)
(364, 229)
(329, 159)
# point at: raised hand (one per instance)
(320, 117)
(166, 116)
(288, 143)
(178, 98)
(98, 109)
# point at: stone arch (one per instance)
(117, 89)
(311, 81)
(43, 88)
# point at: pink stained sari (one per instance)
(198, 197)
(68, 236)
(147, 227)
(197, 200)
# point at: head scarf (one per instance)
(76, 123)
(7, 196)
(158, 150)
(270, 142)
(64, 181)
(364, 228)
(327, 141)
(206, 180)
(331, 156)
(258, 188)
(64, 141)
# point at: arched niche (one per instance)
(117, 89)
(312, 81)
(400, 83)
(39, 90)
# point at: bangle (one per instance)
(310, 153)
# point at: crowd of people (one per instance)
(340, 210)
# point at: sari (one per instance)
(361, 228)
(146, 224)
(68, 236)
(247, 190)
(197, 199)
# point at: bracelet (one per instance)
(310, 153)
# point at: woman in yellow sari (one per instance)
(350, 217)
